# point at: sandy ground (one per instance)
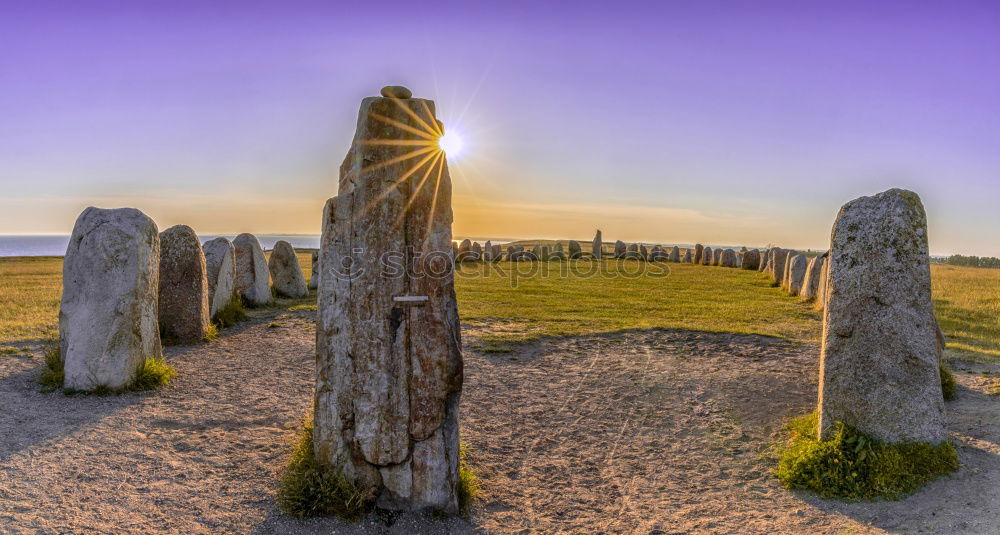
(646, 432)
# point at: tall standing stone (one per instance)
(824, 277)
(765, 259)
(574, 249)
(477, 252)
(727, 258)
(496, 252)
(597, 245)
(220, 270)
(776, 264)
(814, 270)
(717, 256)
(687, 257)
(388, 354)
(796, 274)
(107, 316)
(675, 254)
(184, 314)
(286, 273)
(751, 260)
(706, 256)
(464, 250)
(488, 251)
(879, 362)
(632, 252)
(252, 274)
(314, 275)
(698, 250)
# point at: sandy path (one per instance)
(650, 432)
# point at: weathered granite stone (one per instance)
(717, 256)
(699, 249)
(751, 260)
(675, 254)
(765, 259)
(477, 251)
(396, 91)
(252, 275)
(314, 276)
(597, 245)
(824, 277)
(183, 309)
(107, 317)
(390, 370)
(687, 257)
(286, 273)
(776, 264)
(620, 249)
(464, 250)
(220, 270)
(488, 251)
(810, 285)
(574, 249)
(496, 252)
(727, 258)
(879, 362)
(706, 256)
(796, 274)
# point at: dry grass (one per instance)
(967, 304)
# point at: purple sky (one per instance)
(720, 122)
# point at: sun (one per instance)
(452, 144)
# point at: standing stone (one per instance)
(183, 309)
(687, 257)
(389, 361)
(598, 245)
(559, 253)
(252, 275)
(488, 251)
(536, 252)
(464, 250)
(751, 260)
(717, 256)
(632, 252)
(776, 265)
(314, 276)
(675, 254)
(220, 270)
(699, 249)
(879, 363)
(821, 290)
(765, 259)
(107, 317)
(477, 252)
(813, 273)
(643, 252)
(286, 273)
(657, 254)
(796, 274)
(620, 249)
(512, 253)
(728, 258)
(496, 252)
(544, 253)
(574, 249)
(706, 256)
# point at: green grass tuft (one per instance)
(8, 350)
(468, 483)
(311, 489)
(231, 314)
(949, 387)
(52, 373)
(155, 372)
(211, 333)
(853, 466)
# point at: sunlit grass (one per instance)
(967, 305)
(30, 289)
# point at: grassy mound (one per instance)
(853, 466)
(155, 372)
(310, 489)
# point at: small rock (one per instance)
(396, 91)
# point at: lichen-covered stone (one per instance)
(286, 273)
(751, 260)
(253, 280)
(796, 274)
(879, 363)
(727, 258)
(396, 91)
(220, 270)
(389, 373)
(107, 316)
(184, 313)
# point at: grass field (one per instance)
(510, 303)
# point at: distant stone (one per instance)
(727, 258)
(620, 249)
(597, 245)
(698, 251)
(776, 264)
(675, 254)
(252, 275)
(464, 251)
(657, 254)
(764, 259)
(717, 256)
(108, 316)
(559, 253)
(574, 249)
(632, 252)
(286, 273)
(314, 276)
(687, 257)
(824, 275)
(496, 252)
(643, 252)
(706, 256)
(751, 259)
(488, 251)
(477, 252)
(184, 315)
(796, 274)
(220, 270)
(396, 91)
(879, 362)
(814, 270)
